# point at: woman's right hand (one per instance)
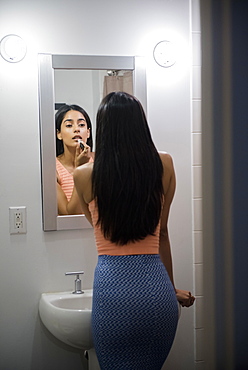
(82, 156)
(185, 298)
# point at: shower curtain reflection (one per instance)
(118, 81)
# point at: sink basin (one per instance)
(68, 317)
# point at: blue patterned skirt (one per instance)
(134, 314)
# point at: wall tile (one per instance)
(196, 49)
(200, 365)
(197, 181)
(197, 206)
(198, 247)
(196, 19)
(196, 116)
(197, 149)
(198, 313)
(196, 83)
(198, 279)
(199, 344)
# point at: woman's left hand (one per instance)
(185, 298)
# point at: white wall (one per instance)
(35, 262)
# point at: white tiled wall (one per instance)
(197, 179)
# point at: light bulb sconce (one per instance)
(13, 48)
(164, 54)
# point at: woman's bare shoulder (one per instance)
(169, 179)
(166, 159)
(82, 181)
(83, 172)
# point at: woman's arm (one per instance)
(65, 207)
(169, 183)
(73, 206)
(83, 185)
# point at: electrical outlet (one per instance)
(17, 220)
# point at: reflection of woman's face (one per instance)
(73, 128)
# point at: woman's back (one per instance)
(127, 174)
(148, 245)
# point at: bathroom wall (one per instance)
(35, 262)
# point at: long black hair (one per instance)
(59, 116)
(127, 173)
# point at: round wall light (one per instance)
(13, 48)
(164, 54)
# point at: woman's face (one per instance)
(73, 128)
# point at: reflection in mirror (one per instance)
(81, 80)
(73, 148)
(82, 90)
(86, 87)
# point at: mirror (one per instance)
(50, 66)
(86, 87)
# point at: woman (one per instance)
(126, 195)
(73, 126)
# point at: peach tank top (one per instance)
(149, 245)
(66, 179)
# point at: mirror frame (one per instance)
(47, 63)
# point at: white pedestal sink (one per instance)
(68, 317)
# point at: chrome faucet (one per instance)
(77, 281)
